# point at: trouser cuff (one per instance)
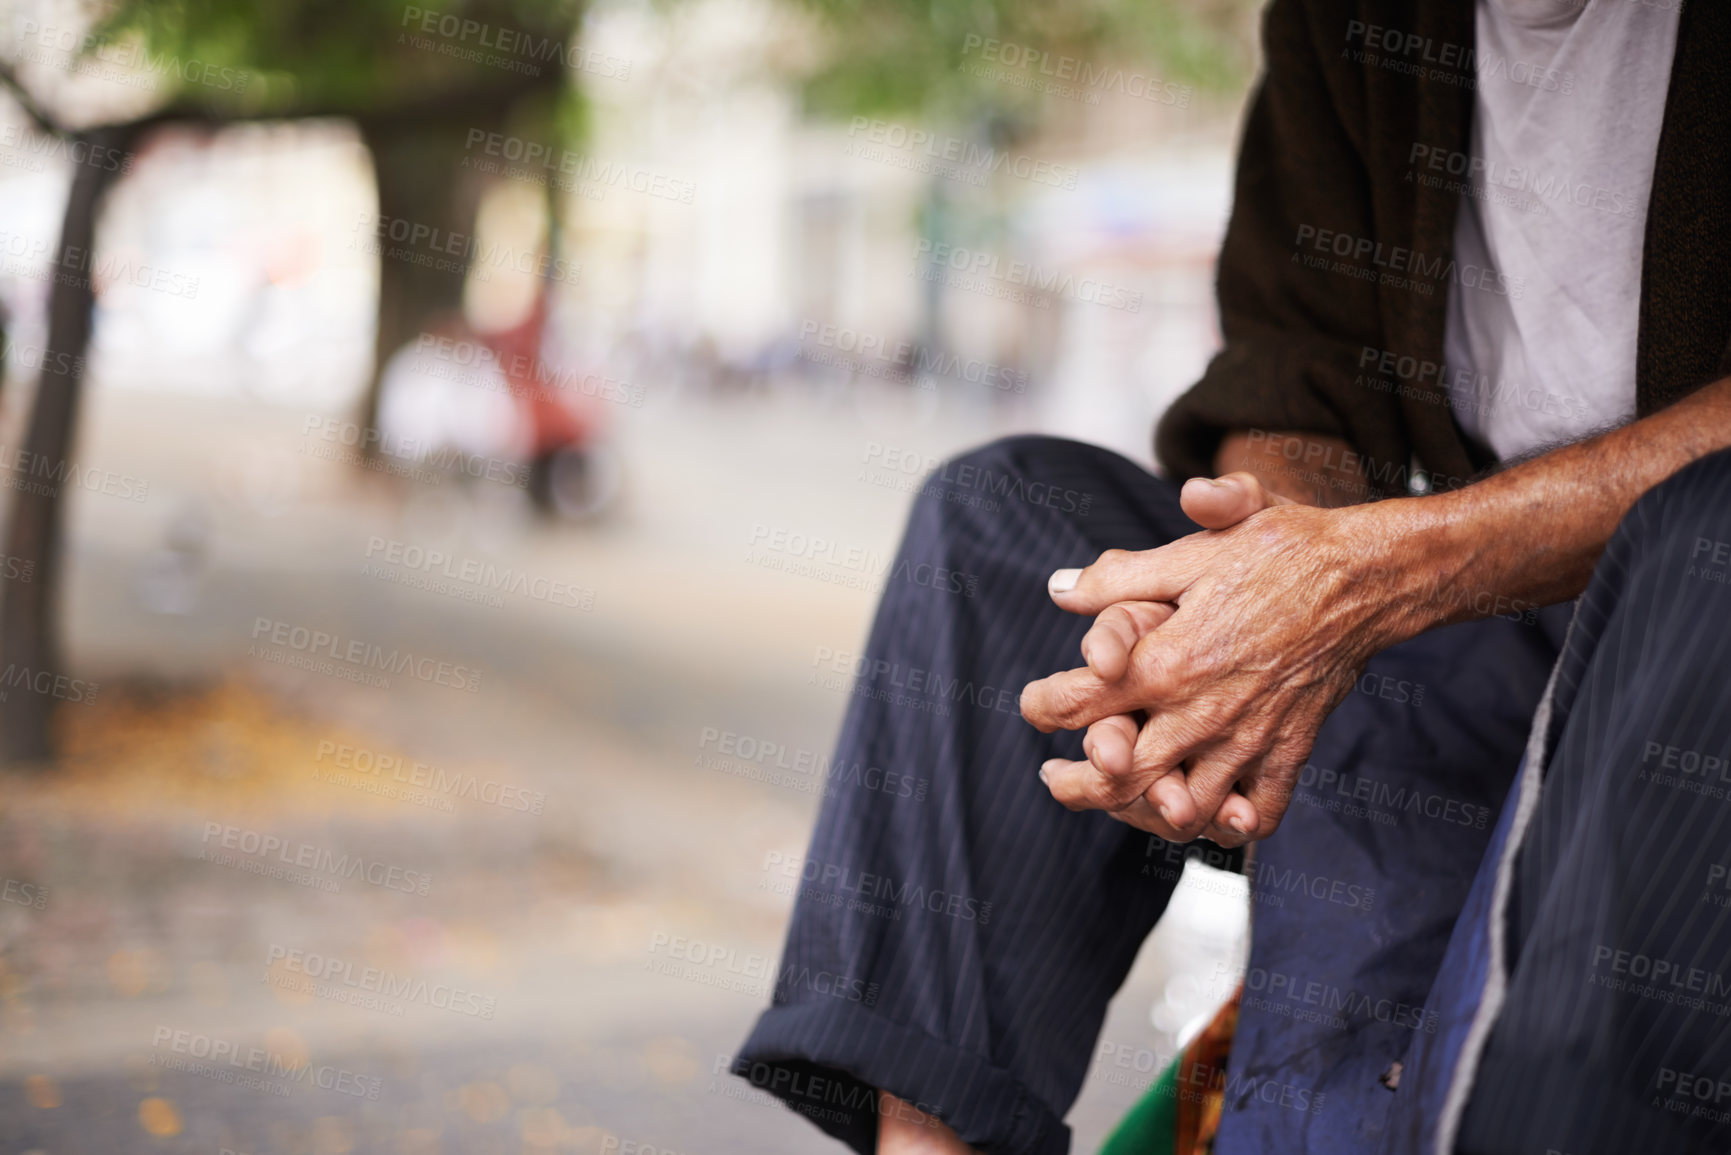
(827, 1063)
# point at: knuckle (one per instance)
(1155, 673)
(1060, 705)
(1109, 562)
(1073, 706)
(1095, 796)
(1110, 792)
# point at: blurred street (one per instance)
(150, 948)
(449, 456)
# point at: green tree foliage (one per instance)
(353, 57)
(879, 56)
(904, 56)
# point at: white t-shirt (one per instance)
(1569, 101)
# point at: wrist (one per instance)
(1406, 553)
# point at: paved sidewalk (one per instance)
(275, 906)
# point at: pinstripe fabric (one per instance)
(981, 999)
(984, 1015)
(1615, 1035)
(1418, 1116)
(1357, 894)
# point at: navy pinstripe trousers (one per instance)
(957, 934)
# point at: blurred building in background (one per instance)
(717, 235)
(707, 302)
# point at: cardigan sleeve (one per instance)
(1298, 276)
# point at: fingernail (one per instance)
(1237, 824)
(1043, 777)
(1063, 581)
(1217, 483)
(1165, 814)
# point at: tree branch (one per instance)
(427, 109)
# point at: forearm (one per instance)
(1530, 535)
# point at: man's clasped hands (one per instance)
(1213, 661)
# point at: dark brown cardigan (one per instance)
(1350, 88)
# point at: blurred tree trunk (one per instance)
(422, 182)
(419, 167)
(29, 637)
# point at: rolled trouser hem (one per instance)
(828, 1062)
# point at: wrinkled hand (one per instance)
(1212, 663)
(1216, 503)
(1212, 503)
